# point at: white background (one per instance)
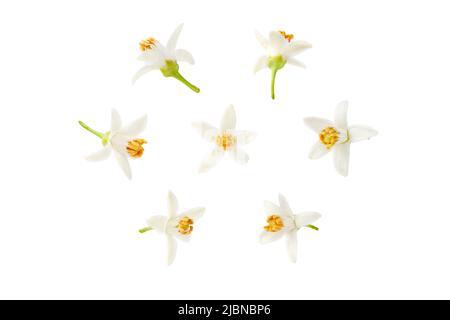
(68, 227)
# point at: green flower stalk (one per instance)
(275, 64)
(165, 58)
(171, 70)
(280, 50)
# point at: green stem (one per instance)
(144, 230)
(312, 227)
(179, 77)
(274, 74)
(95, 132)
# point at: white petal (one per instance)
(211, 160)
(318, 151)
(143, 71)
(306, 218)
(284, 205)
(155, 56)
(240, 156)
(277, 41)
(244, 137)
(317, 124)
(116, 121)
(182, 55)
(294, 48)
(135, 128)
(207, 131)
(172, 42)
(100, 155)
(291, 241)
(194, 214)
(228, 119)
(340, 115)
(261, 63)
(171, 249)
(271, 208)
(267, 237)
(359, 133)
(172, 205)
(157, 223)
(295, 62)
(122, 160)
(341, 158)
(262, 40)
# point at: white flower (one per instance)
(174, 226)
(165, 58)
(337, 136)
(280, 49)
(282, 222)
(225, 140)
(122, 141)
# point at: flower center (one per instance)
(185, 226)
(225, 141)
(275, 223)
(288, 37)
(147, 44)
(329, 136)
(135, 149)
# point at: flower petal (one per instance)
(359, 133)
(277, 41)
(268, 237)
(172, 42)
(100, 155)
(261, 63)
(182, 55)
(295, 62)
(143, 71)
(116, 121)
(244, 137)
(317, 124)
(122, 160)
(172, 205)
(211, 160)
(206, 130)
(294, 48)
(155, 56)
(171, 249)
(262, 40)
(157, 223)
(291, 241)
(340, 115)
(318, 151)
(240, 156)
(305, 218)
(195, 213)
(271, 208)
(341, 158)
(284, 205)
(136, 127)
(228, 119)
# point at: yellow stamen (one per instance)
(275, 223)
(288, 37)
(329, 136)
(147, 44)
(226, 141)
(185, 226)
(135, 149)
